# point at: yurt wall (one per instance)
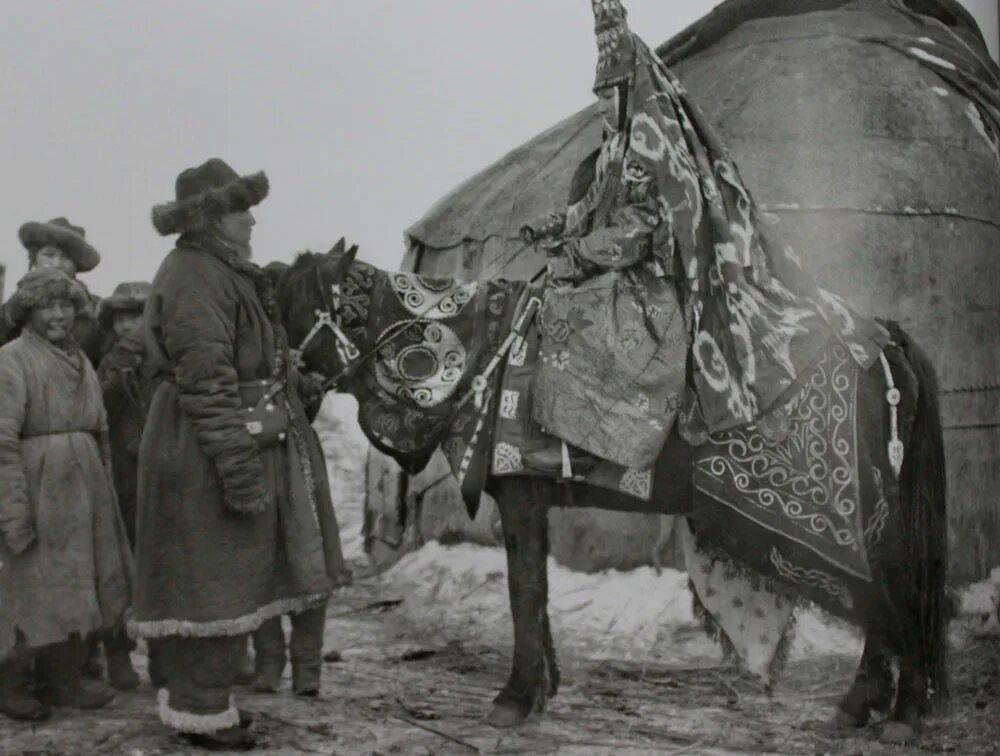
(884, 175)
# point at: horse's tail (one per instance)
(922, 488)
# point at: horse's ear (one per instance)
(342, 259)
(338, 248)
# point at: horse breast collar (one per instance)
(328, 318)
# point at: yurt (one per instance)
(870, 128)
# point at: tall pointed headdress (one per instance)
(615, 45)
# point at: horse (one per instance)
(903, 606)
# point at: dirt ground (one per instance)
(425, 646)
(405, 687)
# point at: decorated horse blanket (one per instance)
(806, 487)
(431, 338)
(801, 481)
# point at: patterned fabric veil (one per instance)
(757, 319)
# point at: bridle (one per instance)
(328, 317)
(351, 356)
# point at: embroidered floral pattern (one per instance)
(813, 578)
(508, 404)
(432, 299)
(638, 483)
(806, 487)
(506, 459)
(518, 351)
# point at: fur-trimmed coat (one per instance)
(227, 535)
(66, 561)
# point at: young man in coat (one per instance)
(235, 525)
(125, 398)
(67, 569)
(61, 245)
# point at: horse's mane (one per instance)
(303, 259)
(291, 284)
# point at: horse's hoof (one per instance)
(897, 733)
(506, 715)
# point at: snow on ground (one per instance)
(345, 447)
(631, 615)
(979, 606)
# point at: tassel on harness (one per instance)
(892, 397)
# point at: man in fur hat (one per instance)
(60, 245)
(125, 398)
(235, 522)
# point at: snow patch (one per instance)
(979, 605)
(345, 448)
(621, 615)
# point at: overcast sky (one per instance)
(362, 112)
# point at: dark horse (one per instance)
(901, 606)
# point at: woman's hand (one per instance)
(549, 227)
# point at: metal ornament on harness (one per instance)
(328, 318)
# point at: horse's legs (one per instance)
(552, 665)
(873, 686)
(525, 529)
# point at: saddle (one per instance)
(611, 367)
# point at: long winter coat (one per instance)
(126, 398)
(55, 480)
(227, 535)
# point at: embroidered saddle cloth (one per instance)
(611, 371)
(806, 486)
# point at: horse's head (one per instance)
(308, 296)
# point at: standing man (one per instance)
(61, 245)
(235, 525)
(125, 392)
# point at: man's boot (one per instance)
(247, 672)
(92, 668)
(270, 656)
(121, 673)
(117, 649)
(307, 650)
(156, 649)
(57, 670)
(230, 739)
(17, 700)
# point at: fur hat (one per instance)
(62, 234)
(206, 193)
(127, 297)
(615, 46)
(39, 288)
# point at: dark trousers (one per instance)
(305, 647)
(58, 665)
(200, 674)
(55, 666)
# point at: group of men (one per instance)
(219, 478)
